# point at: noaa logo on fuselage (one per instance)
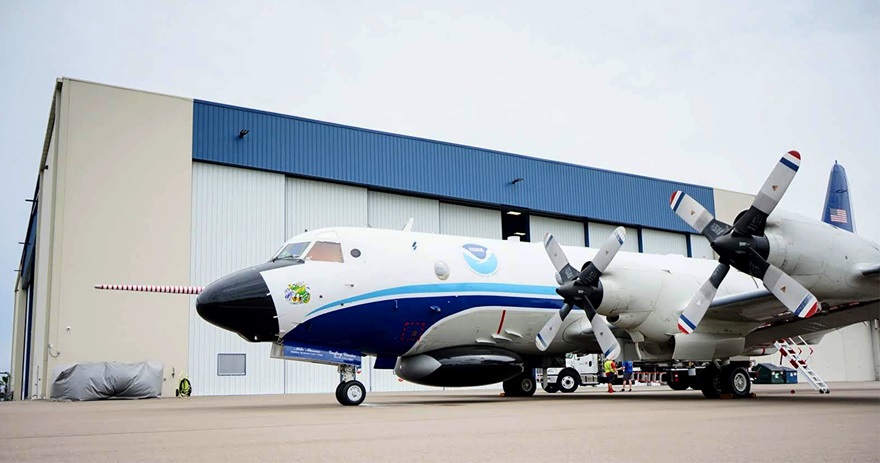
(480, 259)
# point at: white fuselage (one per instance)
(408, 293)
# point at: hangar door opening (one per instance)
(515, 224)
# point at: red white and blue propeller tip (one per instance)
(685, 325)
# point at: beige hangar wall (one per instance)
(116, 209)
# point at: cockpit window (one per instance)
(325, 251)
(292, 251)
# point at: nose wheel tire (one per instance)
(351, 393)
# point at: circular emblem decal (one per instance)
(480, 259)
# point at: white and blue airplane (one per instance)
(459, 311)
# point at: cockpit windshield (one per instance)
(292, 251)
(322, 251)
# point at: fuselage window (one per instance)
(325, 251)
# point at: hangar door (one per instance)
(470, 221)
(599, 232)
(310, 205)
(663, 242)
(700, 247)
(566, 232)
(392, 211)
(237, 221)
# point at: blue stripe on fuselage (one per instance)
(444, 288)
(391, 326)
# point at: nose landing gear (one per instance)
(350, 391)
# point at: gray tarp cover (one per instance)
(109, 380)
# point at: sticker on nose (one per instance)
(480, 259)
(297, 293)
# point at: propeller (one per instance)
(576, 289)
(744, 246)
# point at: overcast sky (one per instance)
(711, 93)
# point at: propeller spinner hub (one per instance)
(574, 292)
(737, 250)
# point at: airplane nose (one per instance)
(241, 303)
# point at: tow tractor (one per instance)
(579, 370)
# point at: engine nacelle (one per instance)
(460, 366)
(648, 324)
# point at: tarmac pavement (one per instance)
(651, 424)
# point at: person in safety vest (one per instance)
(610, 373)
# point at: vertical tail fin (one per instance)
(838, 210)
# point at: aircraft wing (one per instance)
(759, 305)
(778, 322)
(835, 317)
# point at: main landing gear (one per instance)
(350, 391)
(521, 385)
(732, 380)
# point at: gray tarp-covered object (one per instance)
(109, 380)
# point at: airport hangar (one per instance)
(140, 188)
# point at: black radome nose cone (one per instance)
(241, 303)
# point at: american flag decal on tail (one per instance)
(837, 215)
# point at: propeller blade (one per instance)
(696, 309)
(799, 300)
(609, 249)
(754, 220)
(551, 328)
(607, 341)
(606, 253)
(792, 294)
(557, 257)
(697, 216)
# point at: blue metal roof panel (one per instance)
(309, 148)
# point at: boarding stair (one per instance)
(793, 351)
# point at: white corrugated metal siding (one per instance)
(238, 221)
(566, 232)
(311, 205)
(663, 242)
(470, 221)
(700, 247)
(599, 232)
(392, 211)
